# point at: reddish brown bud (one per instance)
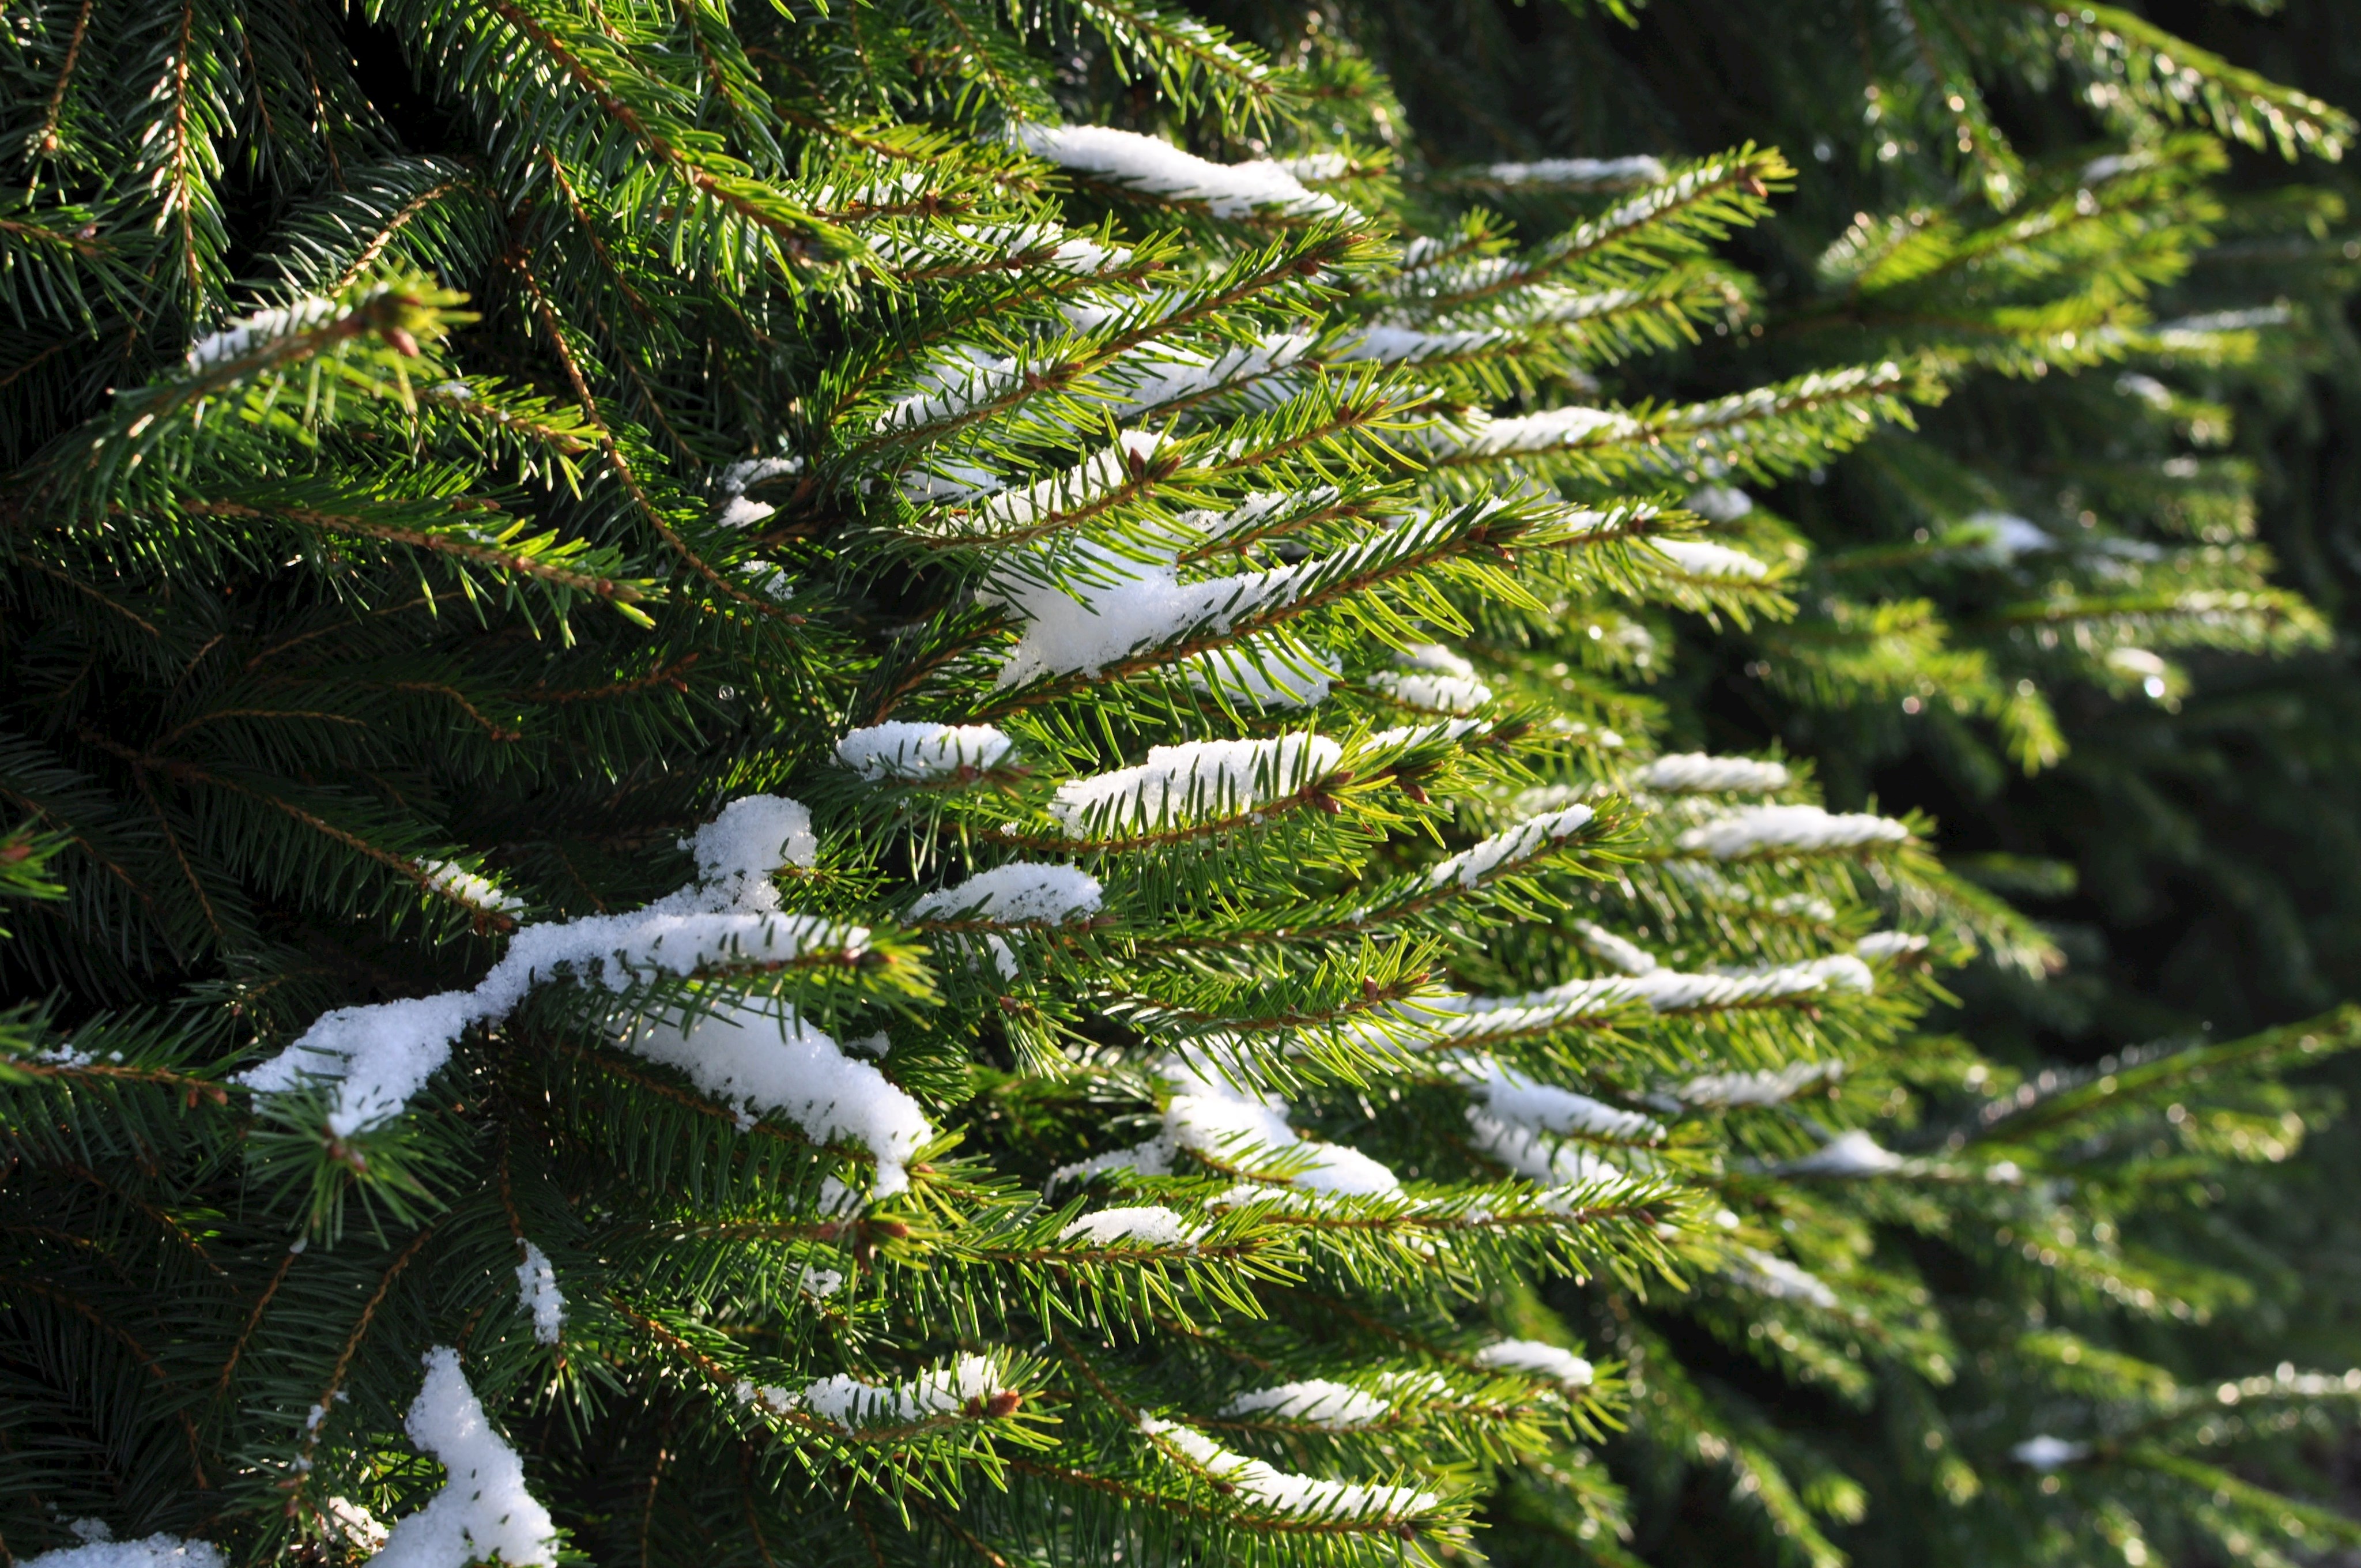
(1002, 1405)
(403, 344)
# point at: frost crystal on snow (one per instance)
(1279, 1490)
(1532, 1356)
(1694, 771)
(1853, 1153)
(483, 1507)
(1159, 168)
(902, 750)
(776, 1062)
(159, 1551)
(1757, 829)
(1333, 1407)
(1020, 893)
(1180, 783)
(846, 1402)
(538, 1296)
(1150, 1225)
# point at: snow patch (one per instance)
(1159, 168)
(1471, 866)
(903, 749)
(1694, 772)
(1332, 1407)
(1759, 830)
(846, 1402)
(380, 1056)
(1150, 1225)
(538, 1296)
(1532, 1356)
(1020, 893)
(158, 1551)
(776, 1062)
(484, 1508)
(1181, 784)
(1281, 1490)
(1853, 1153)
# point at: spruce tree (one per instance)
(783, 803)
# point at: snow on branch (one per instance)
(1113, 605)
(1314, 1401)
(1853, 1153)
(1768, 1088)
(1147, 1224)
(1023, 893)
(241, 338)
(1479, 1018)
(1508, 849)
(1209, 1115)
(1306, 1495)
(1776, 1278)
(1157, 169)
(1478, 435)
(1708, 562)
(1541, 1360)
(379, 1057)
(773, 1062)
(1788, 829)
(1570, 173)
(538, 1296)
(1182, 783)
(100, 1550)
(1436, 679)
(1694, 772)
(483, 1511)
(1516, 1097)
(970, 1385)
(904, 751)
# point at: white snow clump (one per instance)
(483, 1507)
(903, 749)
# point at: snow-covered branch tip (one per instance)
(380, 1057)
(1256, 1481)
(1151, 168)
(1759, 831)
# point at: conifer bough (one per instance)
(755, 828)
